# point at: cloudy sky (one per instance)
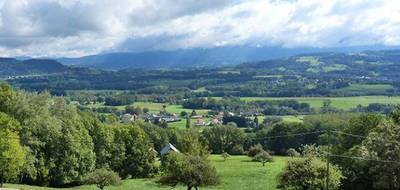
(83, 27)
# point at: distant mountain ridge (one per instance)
(195, 58)
(14, 67)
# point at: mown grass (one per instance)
(236, 173)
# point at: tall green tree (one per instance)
(12, 155)
(223, 138)
(133, 154)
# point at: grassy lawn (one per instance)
(237, 173)
(344, 103)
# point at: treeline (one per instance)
(235, 105)
(47, 142)
(329, 75)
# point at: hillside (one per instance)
(317, 74)
(13, 67)
(194, 58)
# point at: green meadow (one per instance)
(344, 103)
(153, 107)
(236, 173)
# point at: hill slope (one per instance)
(13, 67)
(192, 58)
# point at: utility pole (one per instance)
(327, 160)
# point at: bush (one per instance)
(102, 178)
(309, 173)
(254, 150)
(237, 150)
(292, 152)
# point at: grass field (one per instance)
(155, 107)
(237, 173)
(373, 89)
(344, 103)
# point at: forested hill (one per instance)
(14, 67)
(318, 74)
(373, 64)
(194, 58)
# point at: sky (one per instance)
(73, 28)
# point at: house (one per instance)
(128, 118)
(200, 122)
(167, 149)
(159, 118)
(216, 121)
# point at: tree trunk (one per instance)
(195, 187)
(1, 179)
(189, 188)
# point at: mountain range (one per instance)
(195, 58)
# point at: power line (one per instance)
(292, 135)
(364, 137)
(361, 158)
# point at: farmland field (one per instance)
(344, 103)
(237, 173)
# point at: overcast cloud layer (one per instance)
(83, 27)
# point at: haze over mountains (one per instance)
(178, 59)
(197, 57)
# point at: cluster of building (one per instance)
(130, 118)
(200, 120)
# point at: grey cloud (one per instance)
(75, 28)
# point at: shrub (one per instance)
(254, 150)
(237, 150)
(309, 173)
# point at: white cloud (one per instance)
(76, 28)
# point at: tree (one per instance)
(309, 174)
(192, 171)
(133, 154)
(146, 110)
(103, 177)
(223, 138)
(292, 152)
(183, 114)
(188, 125)
(225, 155)
(256, 122)
(237, 150)
(381, 144)
(193, 113)
(189, 142)
(12, 155)
(263, 157)
(254, 150)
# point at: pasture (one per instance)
(236, 173)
